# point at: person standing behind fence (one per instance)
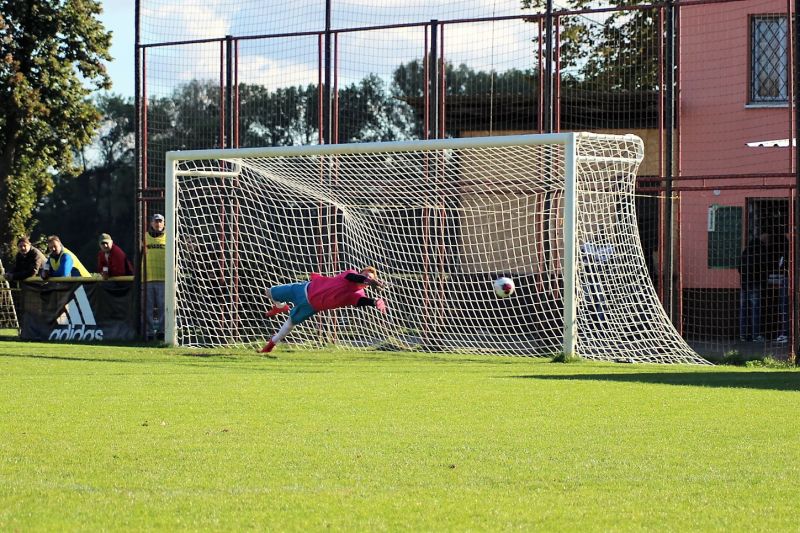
(754, 271)
(779, 277)
(155, 244)
(111, 259)
(62, 263)
(29, 261)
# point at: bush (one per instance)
(768, 361)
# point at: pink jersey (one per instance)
(326, 293)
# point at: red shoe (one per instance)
(268, 347)
(278, 310)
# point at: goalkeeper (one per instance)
(322, 293)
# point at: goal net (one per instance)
(440, 220)
(8, 315)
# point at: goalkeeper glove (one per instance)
(378, 283)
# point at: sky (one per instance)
(486, 46)
(118, 17)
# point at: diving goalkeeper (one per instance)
(322, 293)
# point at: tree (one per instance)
(615, 53)
(52, 59)
(100, 199)
(472, 90)
(283, 117)
(368, 113)
(286, 116)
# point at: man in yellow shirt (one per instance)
(155, 243)
(62, 263)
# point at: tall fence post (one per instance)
(230, 117)
(433, 84)
(793, 350)
(138, 147)
(327, 94)
(549, 105)
(668, 237)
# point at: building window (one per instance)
(769, 64)
(724, 236)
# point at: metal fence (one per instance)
(707, 85)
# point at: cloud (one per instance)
(282, 62)
(497, 45)
(184, 21)
(275, 73)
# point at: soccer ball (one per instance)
(503, 287)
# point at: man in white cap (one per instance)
(155, 244)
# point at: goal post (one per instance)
(440, 220)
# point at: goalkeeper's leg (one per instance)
(278, 337)
(277, 307)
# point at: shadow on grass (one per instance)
(68, 358)
(783, 381)
(207, 359)
(199, 356)
(209, 355)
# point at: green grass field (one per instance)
(137, 438)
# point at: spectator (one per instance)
(61, 262)
(779, 277)
(112, 260)
(29, 261)
(155, 243)
(754, 272)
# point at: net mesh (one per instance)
(8, 315)
(440, 224)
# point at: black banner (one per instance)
(78, 311)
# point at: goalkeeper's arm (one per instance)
(378, 303)
(365, 280)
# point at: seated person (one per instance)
(28, 263)
(111, 259)
(61, 262)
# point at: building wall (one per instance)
(717, 122)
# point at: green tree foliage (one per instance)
(281, 117)
(100, 199)
(369, 113)
(461, 80)
(51, 55)
(477, 89)
(409, 80)
(616, 51)
(189, 118)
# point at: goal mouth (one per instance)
(440, 220)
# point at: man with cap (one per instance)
(112, 260)
(155, 245)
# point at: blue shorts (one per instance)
(296, 294)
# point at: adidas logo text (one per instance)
(77, 321)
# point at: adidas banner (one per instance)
(78, 311)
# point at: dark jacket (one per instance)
(117, 262)
(27, 265)
(779, 254)
(755, 265)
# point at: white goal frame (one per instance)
(568, 141)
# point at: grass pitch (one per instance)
(137, 438)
